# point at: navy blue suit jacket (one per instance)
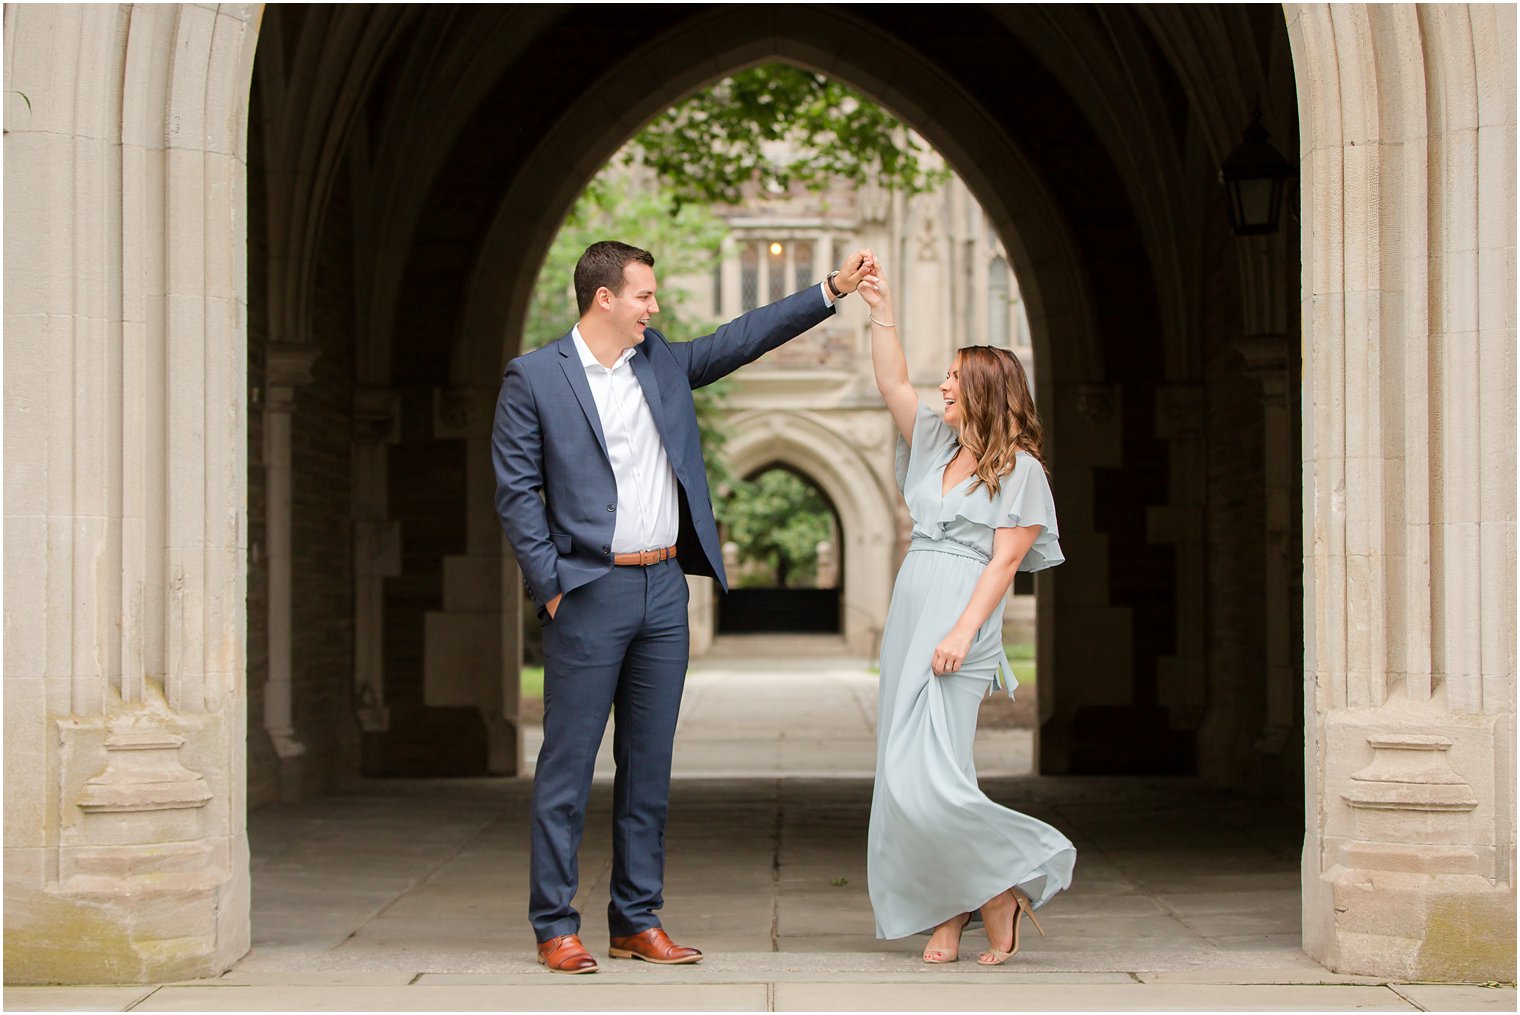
(555, 490)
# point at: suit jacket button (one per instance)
(607, 550)
(611, 507)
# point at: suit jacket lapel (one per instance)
(643, 370)
(575, 373)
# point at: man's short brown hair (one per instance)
(602, 265)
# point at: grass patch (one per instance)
(1019, 651)
(533, 682)
(1021, 656)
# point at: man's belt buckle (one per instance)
(644, 558)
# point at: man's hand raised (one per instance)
(852, 271)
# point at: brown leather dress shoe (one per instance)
(565, 954)
(653, 945)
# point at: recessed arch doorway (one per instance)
(782, 546)
(1131, 334)
(845, 472)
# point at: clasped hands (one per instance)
(854, 268)
(873, 287)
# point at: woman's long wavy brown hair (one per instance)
(997, 413)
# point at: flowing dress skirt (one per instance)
(938, 846)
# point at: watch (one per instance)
(829, 281)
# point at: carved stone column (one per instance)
(287, 368)
(473, 653)
(1409, 488)
(377, 549)
(1182, 678)
(1074, 599)
(126, 854)
(1266, 359)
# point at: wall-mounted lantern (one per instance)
(1254, 177)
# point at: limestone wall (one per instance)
(1408, 176)
(126, 529)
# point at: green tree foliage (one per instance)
(614, 206)
(780, 125)
(778, 519)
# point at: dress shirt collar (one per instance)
(588, 358)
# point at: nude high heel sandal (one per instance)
(1021, 907)
(935, 956)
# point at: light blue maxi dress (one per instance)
(938, 846)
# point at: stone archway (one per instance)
(1087, 410)
(842, 456)
(127, 416)
(781, 594)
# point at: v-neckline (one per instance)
(945, 491)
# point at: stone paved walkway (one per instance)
(410, 895)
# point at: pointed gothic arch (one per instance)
(127, 410)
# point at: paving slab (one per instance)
(1297, 968)
(85, 998)
(1458, 996)
(574, 996)
(1020, 996)
(412, 894)
(245, 978)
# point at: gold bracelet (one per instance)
(884, 324)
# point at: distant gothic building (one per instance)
(812, 405)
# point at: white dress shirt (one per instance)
(648, 516)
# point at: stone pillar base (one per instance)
(1412, 886)
(1414, 926)
(136, 917)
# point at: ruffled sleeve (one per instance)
(1025, 499)
(932, 437)
(1022, 499)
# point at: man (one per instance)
(602, 490)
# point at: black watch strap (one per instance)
(829, 281)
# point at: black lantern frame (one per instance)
(1254, 178)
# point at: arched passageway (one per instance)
(784, 538)
(855, 489)
(1104, 197)
(404, 170)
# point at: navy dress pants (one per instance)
(621, 644)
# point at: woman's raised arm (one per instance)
(887, 359)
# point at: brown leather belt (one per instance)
(643, 558)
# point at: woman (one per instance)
(939, 850)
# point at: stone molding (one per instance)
(463, 413)
(1410, 772)
(1095, 402)
(289, 364)
(143, 773)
